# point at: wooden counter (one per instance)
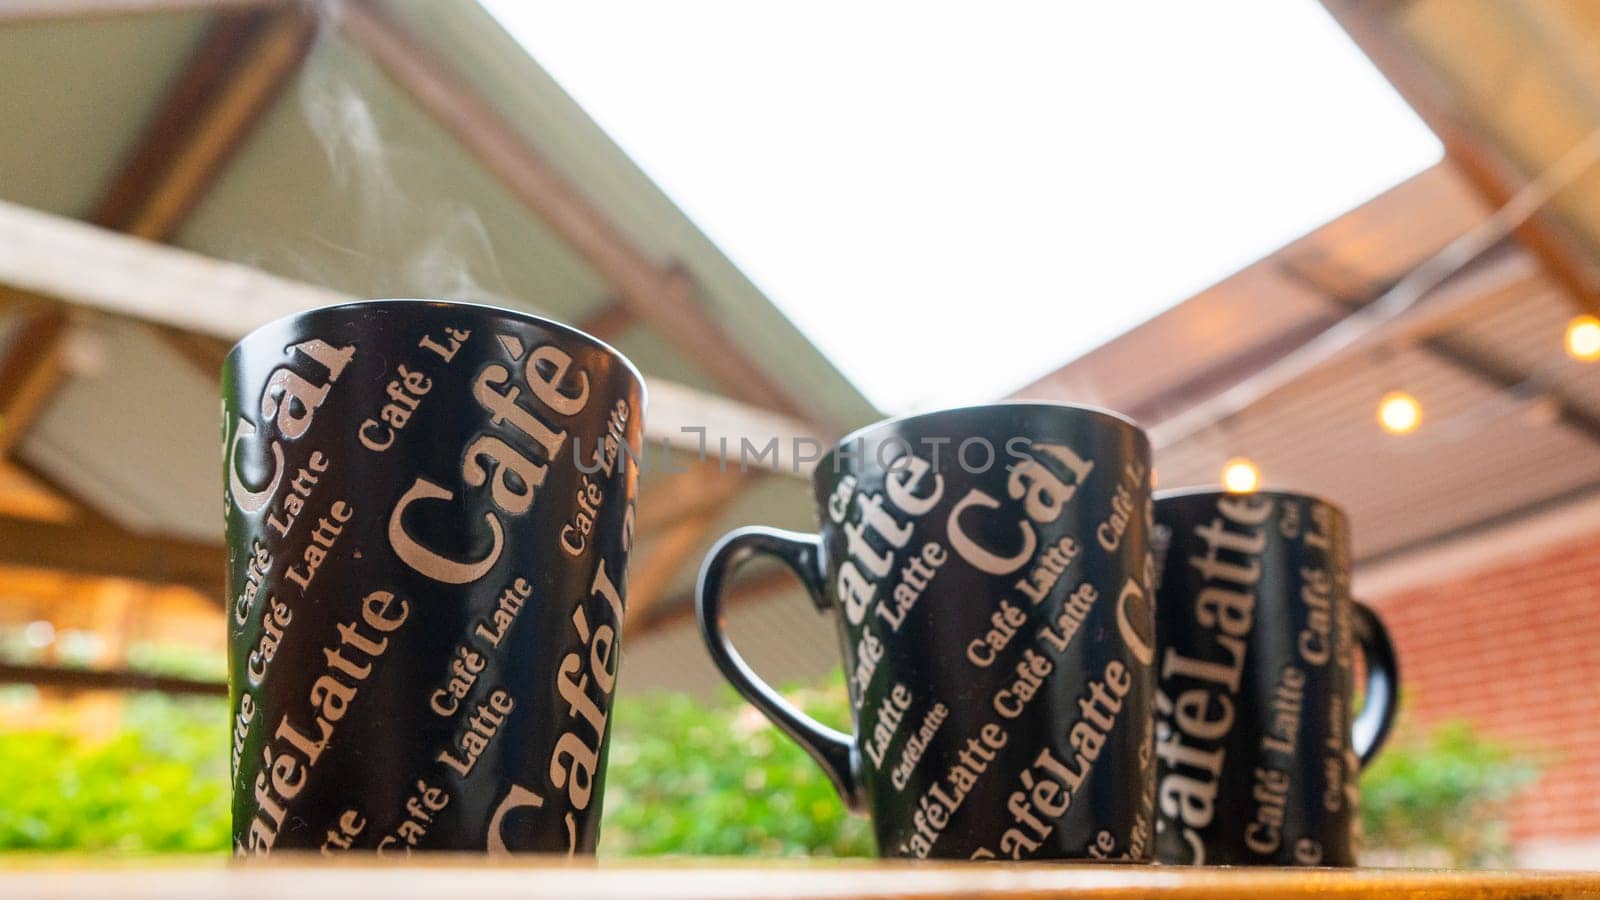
(448, 878)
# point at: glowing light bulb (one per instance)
(1240, 476)
(1583, 338)
(1399, 412)
(39, 634)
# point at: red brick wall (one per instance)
(1515, 649)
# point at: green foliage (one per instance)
(159, 785)
(684, 777)
(182, 662)
(720, 780)
(1448, 792)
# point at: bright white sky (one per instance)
(953, 199)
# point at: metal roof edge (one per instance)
(1150, 330)
(510, 79)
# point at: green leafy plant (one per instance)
(691, 778)
(685, 777)
(1445, 794)
(159, 785)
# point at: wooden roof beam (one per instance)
(1484, 166)
(649, 577)
(30, 372)
(661, 295)
(240, 66)
(610, 320)
(1461, 294)
(60, 678)
(1487, 368)
(21, 12)
(685, 416)
(679, 511)
(96, 548)
(60, 258)
(759, 584)
(1467, 273)
(686, 494)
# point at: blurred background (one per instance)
(1346, 246)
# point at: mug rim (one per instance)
(1096, 412)
(508, 312)
(1281, 493)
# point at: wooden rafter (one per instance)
(1484, 166)
(71, 537)
(170, 127)
(1219, 377)
(1489, 369)
(685, 417)
(686, 494)
(97, 548)
(678, 512)
(610, 320)
(31, 368)
(25, 11)
(1463, 294)
(59, 678)
(30, 371)
(674, 546)
(742, 588)
(204, 352)
(22, 496)
(63, 259)
(231, 79)
(242, 64)
(658, 294)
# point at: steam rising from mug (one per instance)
(379, 231)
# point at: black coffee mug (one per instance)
(429, 510)
(1258, 752)
(991, 575)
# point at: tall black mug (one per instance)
(1258, 750)
(429, 509)
(990, 571)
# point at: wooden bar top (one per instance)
(447, 878)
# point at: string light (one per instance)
(1583, 338)
(1240, 476)
(1399, 412)
(39, 634)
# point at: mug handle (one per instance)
(1371, 728)
(833, 750)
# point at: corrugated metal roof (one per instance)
(1485, 449)
(135, 432)
(315, 208)
(1482, 453)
